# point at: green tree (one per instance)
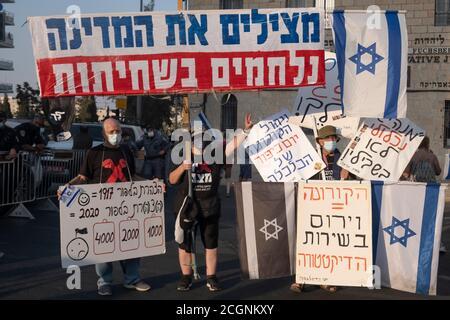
(28, 100)
(5, 106)
(88, 109)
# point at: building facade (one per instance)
(6, 41)
(428, 69)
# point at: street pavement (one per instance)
(31, 268)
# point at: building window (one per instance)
(447, 125)
(231, 4)
(296, 3)
(229, 112)
(442, 17)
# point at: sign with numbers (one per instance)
(109, 222)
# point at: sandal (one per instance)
(331, 289)
(297, 287)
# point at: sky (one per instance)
(22, 54)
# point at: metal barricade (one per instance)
(18, 179)
(57, 168)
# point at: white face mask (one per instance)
(114, 139)
(330, 146)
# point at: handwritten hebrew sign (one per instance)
(109, 222)
(192, 51)
(334, 233)
(319, 106)
(281, 152)
(382, 149)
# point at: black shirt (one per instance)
(28, 133)
(329, 168)
(82, 141)
(113, 165)
(8, 139)
(205, 185)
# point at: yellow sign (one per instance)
(121, 103)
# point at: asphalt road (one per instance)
(31, 269)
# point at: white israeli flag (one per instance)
(407, 226)
(372, 53)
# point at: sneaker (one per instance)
(442, 249)
(139, 286)
(213, 284)
(105, 290)
(185, 283)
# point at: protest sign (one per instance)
(381, 149)
(319, 106)
(334, 233)
(109, 222)
(180, 52)
(282, 152)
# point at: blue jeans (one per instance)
(153, 169)
(130, 270)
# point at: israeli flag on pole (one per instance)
(372, 53)
(447, 167)
(407, 226)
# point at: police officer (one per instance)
(29, 135)
(8, 140)
(8, 152)
(155, 146)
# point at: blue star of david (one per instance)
(360, 66)
(391, 231)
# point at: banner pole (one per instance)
(319, 150)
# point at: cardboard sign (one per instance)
(381, 149)
(334, 233)
(109, 222)
(281, 152)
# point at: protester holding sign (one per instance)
(111, 163)
(327, 138)
(206, 205)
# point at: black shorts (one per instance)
(209, 233)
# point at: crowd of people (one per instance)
(206, 204)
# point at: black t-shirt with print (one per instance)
(113, 165)
(205, 184)
(329, 168)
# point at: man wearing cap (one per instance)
(327, 138)
(29, 135)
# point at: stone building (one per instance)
(428, 70)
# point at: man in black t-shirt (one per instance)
(29, 135)
(111, 163)
(205, 183)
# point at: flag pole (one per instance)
(319, 149)
(186, 123)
